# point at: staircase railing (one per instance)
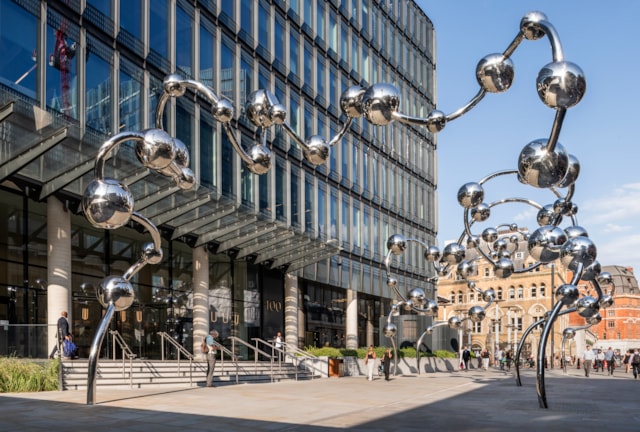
(287, 351)
(182, 351)
(126, 353)
(256, 352)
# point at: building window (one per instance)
(611, 313)
(499, 293)
(472, 297)
(520, 292)
(477, 327)
(486, 272)
(534, 291)
(543, 290)
(611, 324)
(512, 293)
(453, 297)
(460, 297)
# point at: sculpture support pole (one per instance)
(95, 353)
(542, 397)
(520, 346)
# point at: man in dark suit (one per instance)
(62, 333)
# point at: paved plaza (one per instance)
(459, 401)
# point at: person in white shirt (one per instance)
(588, 356)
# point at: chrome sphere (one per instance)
(545, 243)
(567, 294)
(187, 179)
(107, 203)
(117, 291)
(473, 241)
(156, 150)
(351, 101)
(465, 269)
(530, 25)
(481, 213)
(606, 301)
(573, 171)
(432, 254)
(392, 282)
(546, 216)
(408, 305)
(574, 231)
(317, 151)
(390, 330)
(182, 153)
(594, 320)
(495, 73)
(431, 307)
(172, 85)
(477, 313)
(490, 235)
(278, 114)
(417, 297)
(541, 168)
(605, 278)
(453, 253)
(587, 306)
(454, 322)
(500, 245)
(561, 84)
(223, 111)
(578, 250)
(397, 244)
(592, 271)
(489, 295)
(503, 268)
(569, 333)
(470, 195)
(436, 121)
(379, 102)
(153, 255)
(260, 159)
(258, 107)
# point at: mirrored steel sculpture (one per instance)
(543, 163)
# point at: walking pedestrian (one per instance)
(634, 361)
(211, 356)
(466, 356)
(370, 361)
(386, 363)
(609, 357)
(62, 334)
(485, 359)
(588, 356)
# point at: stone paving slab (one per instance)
(459, 401)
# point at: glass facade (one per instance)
(336, 217)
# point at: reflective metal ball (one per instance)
(151, 254)
(379, 102)
(587, 306)
(489, 235)
(107, 203)
(470, 195)
(544, 243)
(592, 271)
(392, 282)
(503, 268)
(561, 84)
(477, 313)
(223, 111)
(495, 73)
(117, 291)
(417, 297)
(578, 250)
(567, 294)
(576, 231)
(546, 216)
(436, 121)
(351, 101)
(390, 330)
(481, 213)
(172, 85)
(541, 168)
(530, 25)
(454, 322)
(397, 244)
(431, 307)
(573, 171)
(156, 150)
(260, 159)
(317, 151)
(258, 107)
(453, 253)
(432, 253)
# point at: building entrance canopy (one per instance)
(43, 153)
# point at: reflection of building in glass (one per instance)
(302, 238)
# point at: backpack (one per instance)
(636, 359)
(68, 348)
(204, 348)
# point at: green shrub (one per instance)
(361, 353)
(18, 375)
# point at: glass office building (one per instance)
(299, 249)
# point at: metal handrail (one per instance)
(126, 352)
(164, 337)
(256, 351)
(234, 358)
(290, 351)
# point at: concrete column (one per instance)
(200, 298)
(370, 317)
(352, 320)
(58, 267)
(291, 310)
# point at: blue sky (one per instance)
(601, 38)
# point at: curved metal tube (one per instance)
(157, 245)
(513, 45)
(554, 40)
(424, 333)
(555, 129)
(520, 346)
(110, 144)
(236, 145)
(542, 396)
(465, 109)
(95, 352)
(342, 133)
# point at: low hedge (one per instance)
(409, 352)
(20, 375)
